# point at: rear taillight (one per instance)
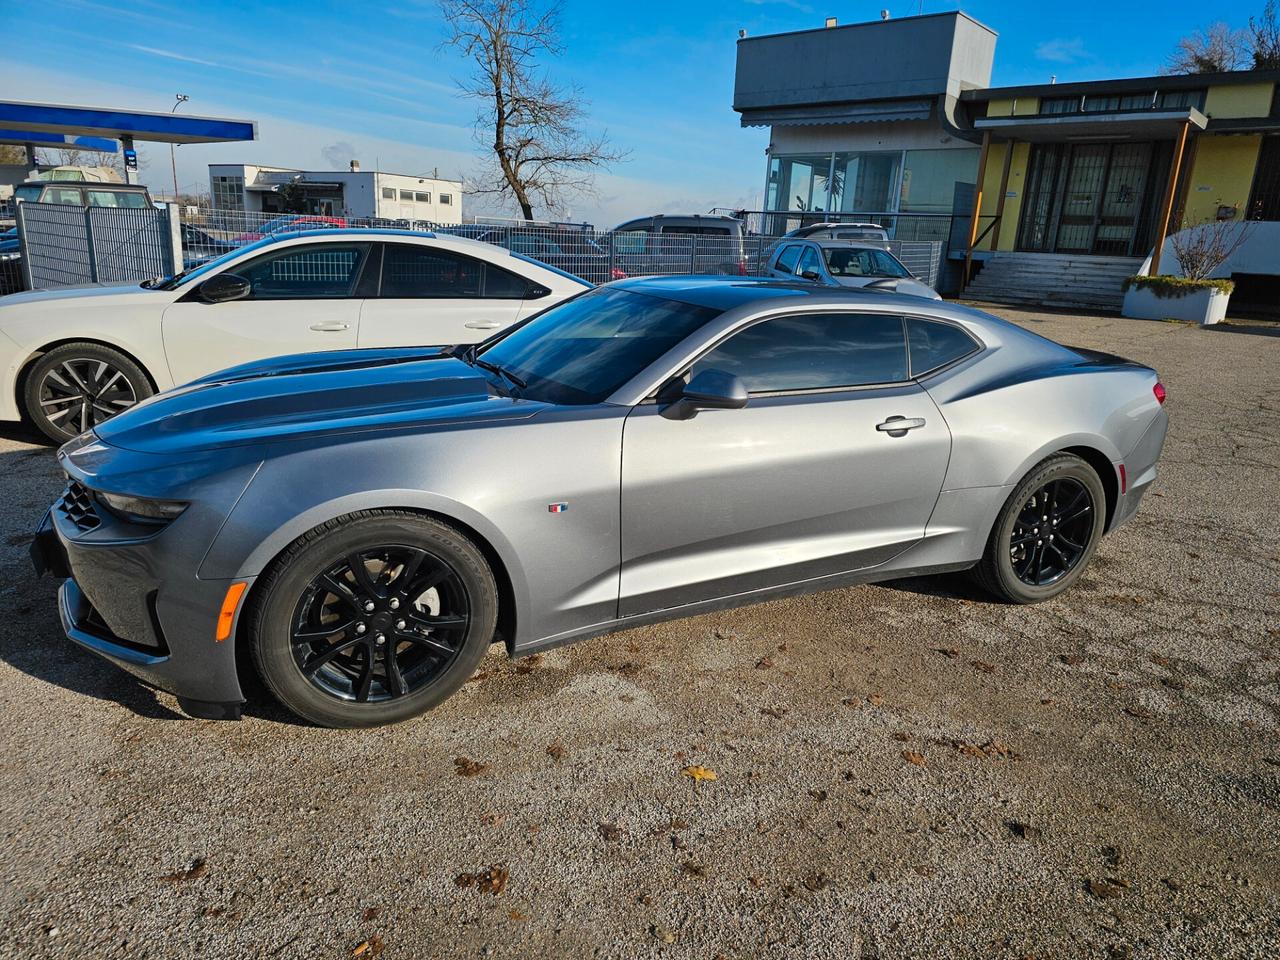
(1158, 390)
(742, 268)
(617, 273)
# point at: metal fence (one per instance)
(65, 246)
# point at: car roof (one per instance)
(727, 293)
(677, 217)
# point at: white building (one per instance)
(353, 193)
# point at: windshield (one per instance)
(858, 262)
(206, 268)
(581, 351)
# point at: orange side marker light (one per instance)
(228, 612)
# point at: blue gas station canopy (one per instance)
(34, 123)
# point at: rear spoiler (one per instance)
(1098, 358)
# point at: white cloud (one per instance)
(1062, 50)
(170, 55)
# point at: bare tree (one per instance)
(1264, 37)
(540, 154)
(1214, 50)
(12, 155)
(1204, 247)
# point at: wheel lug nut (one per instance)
(369, 606)
(395, 603)
(1039, 543)
(400, 624)
(381, 639)
(361, 628)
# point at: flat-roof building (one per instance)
(353, 193)
(896, 120)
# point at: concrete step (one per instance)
(1054, 280)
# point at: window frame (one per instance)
(383, 246)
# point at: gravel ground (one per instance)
(902, 770)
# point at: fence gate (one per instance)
(65, 246)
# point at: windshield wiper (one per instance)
(467, 354)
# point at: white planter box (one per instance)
(1205, 307)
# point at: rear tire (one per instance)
(76, 386)
(1046, 532)
(372, 618)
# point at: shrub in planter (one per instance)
(1176, 298)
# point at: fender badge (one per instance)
(557, 507)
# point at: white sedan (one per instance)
(71, 358)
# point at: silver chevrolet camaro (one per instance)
(365, 523)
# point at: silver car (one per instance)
(363, 524)
(844, 263)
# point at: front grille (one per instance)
(77, 506)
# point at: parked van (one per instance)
(81, 193)
(666, 244)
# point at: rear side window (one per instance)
(813, 352)
(116, 198)
(788, 258)
(934, 345)
(503, 285)
(413, 271)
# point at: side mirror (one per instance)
(810, 275)
(224, 287)
(709, 390)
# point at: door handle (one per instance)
(482, 324)
(898, 426)
(330, 326)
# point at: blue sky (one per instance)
(329, 81)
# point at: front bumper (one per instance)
(130, 602)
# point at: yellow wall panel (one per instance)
(1223, 174)
(1239, 100)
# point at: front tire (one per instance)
(76, 386)
(372, 618)
(1046, 532)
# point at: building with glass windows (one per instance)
(353, 193)
(896, 121)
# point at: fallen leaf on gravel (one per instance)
(815, 882)
(557, 751)
(818, 795)
(949, 652)
(694, 870)
(1117, 685)
(465, 767)
(517, 915)
(1159, 660)
(665, 935)
(1047, 701)
(925, 870)
(1106, 889)
(851, 702)
(764, 663)
(370, 914)
(775, 712)
(197, 870)
(984, 666)
(369, 948)
(611, 832)
(1142, 713)
(876, 700)
(912, 757)
(1071, 659)
(902, 737)
(492, 881)
(699, 773)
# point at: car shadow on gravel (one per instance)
(949, 586)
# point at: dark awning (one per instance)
(1061, 127)
(867, 111)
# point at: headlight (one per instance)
(141, 509)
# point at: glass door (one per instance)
(1086, 178)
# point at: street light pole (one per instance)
(181, 98)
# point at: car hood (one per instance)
(121, 291)
(314, 395)
(905, 285)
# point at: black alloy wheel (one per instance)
(1046, 532)
(1051, 532)
(379, 624)
(371, 618)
